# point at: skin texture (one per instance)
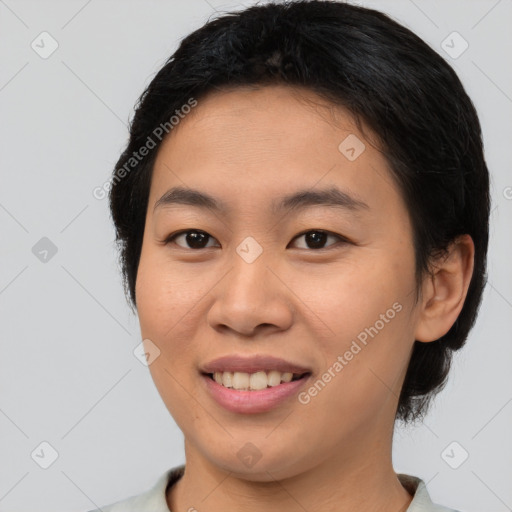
(247, 147)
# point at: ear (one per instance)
(444, 292)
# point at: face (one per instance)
(323, 282)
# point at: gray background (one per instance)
(68, 375)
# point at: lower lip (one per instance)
(251, 402)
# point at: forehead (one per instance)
(270, 112)
(259, 143)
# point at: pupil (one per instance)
(194, 237)
(316, 238)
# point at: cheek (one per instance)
(351, 297)
(367, 311)
(361, 375)
(165, 309)
(169, 309)
(165, 297)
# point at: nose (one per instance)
(250, 299)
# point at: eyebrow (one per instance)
(330, 197)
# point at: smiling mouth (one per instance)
(242, 381)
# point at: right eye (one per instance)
(194, 237)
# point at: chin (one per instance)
(253, 465)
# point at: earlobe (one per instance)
(445, 290)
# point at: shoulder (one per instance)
(421, 501)
(152, 500)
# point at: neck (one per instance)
(342, 483)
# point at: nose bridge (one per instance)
(250, 295)
(249, 275)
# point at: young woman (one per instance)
(302, 212)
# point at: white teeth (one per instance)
(244, 381)
(226, 379)
(258, 380)
(240, 380)
(274, 378)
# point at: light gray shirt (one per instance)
(154, 500)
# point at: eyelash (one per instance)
(173, 236)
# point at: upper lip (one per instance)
(252, 364)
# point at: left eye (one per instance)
(315, 239)
(318, 238)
